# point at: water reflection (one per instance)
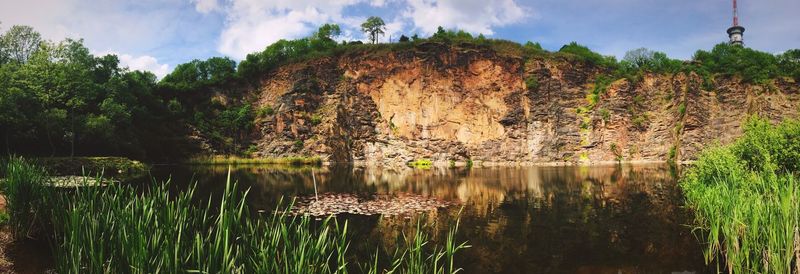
(613, 219)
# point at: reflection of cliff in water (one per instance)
(611, 219)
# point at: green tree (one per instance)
(752, 65)
(587, 55)
(19, 42)
(373, 27)
(328, 32)
(789, 63)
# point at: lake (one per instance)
(599, 219)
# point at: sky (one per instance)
(157, 35)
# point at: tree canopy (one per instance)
(373, 27)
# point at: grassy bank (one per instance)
(116, 229)
(110, 167)
(234, 160)
(746, 198)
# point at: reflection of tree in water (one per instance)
(518, 220)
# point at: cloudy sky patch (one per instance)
(156, 35)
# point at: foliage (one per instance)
(233, 160)
(256, 64)
(532, 83)
(605, 114)
(752, 65)
(327, 32)
(745, 198)
(585, 54)
(58, 99)
(316, 119)
(265, 111)
(116, 167)
(118, 229)
(649, 60)
(25, 189)
(616, 151)
(373, 27)
(789, 63)
(18, 44)
(452, 36)
(197, 74)
(421, 164)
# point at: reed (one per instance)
(119, 229)
(26, 191)
(746, 200)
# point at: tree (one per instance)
(789, 63)
(640, 57)
(328, 32)
(403, 39)
(373, 27)
(20, 42)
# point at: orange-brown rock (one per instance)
(463, 103)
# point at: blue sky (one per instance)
(156, 35)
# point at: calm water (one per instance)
(615, 219)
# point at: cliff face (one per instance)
(441, 103)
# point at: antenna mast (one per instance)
(736, 32)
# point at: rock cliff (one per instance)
(469, 103)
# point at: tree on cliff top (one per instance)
(374, 26)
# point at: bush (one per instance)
(744, 197)
(585, 54)
(532, 83)
(752, 65)
(316, 119)
(605, 114)
(265, 111)
(789, 64)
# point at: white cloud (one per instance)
(143, 62)
(251, 25)
(476, 16)
(206, 6)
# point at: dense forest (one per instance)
(57, 99)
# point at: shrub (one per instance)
(640, 121)
(752, 65)
(316, 119)
(421, 164)
(744, 197)
(532, 83)
(585, 54)
(265, 111)
(605, 114)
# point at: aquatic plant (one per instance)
(25, 192)
(746, 200)
(119, 229)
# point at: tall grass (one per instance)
(117, 229)
(26, 191)
(746, 199)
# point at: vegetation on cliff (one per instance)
(58, 99)
(746, 199)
